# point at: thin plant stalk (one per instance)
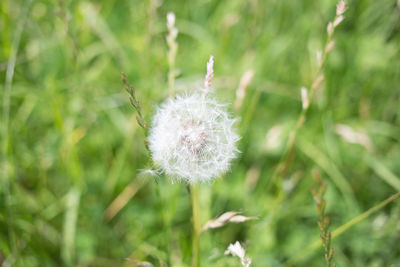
(308, 95)
(143, 124)
(196, 225)
(324, 220)
(165, 223)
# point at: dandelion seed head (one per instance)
(192, 138)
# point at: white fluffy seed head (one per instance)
(192, 138)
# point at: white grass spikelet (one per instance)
(170, 20)
(319, 57)
(244, 84)
(209, 76)
(337, 21)
(238, 251)
(304, 98)
(224, 219)
(340, 8)
(353, 136)
(172, 50)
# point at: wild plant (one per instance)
(318, 192)
(191, 137)
(308, 94)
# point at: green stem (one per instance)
(165, 222)
(196, 225)
(363, 216)
(171, 81)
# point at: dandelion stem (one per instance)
(196, 225)
(165, 222)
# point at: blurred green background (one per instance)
(70, 194)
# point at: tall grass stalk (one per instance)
(307, 95)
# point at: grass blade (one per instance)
(384, 173)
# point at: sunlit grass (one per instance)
(72, 150)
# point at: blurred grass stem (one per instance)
(6, 117)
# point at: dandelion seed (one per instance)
(149, 172)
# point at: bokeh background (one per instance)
(70, 193)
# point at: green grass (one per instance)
(71, 146)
